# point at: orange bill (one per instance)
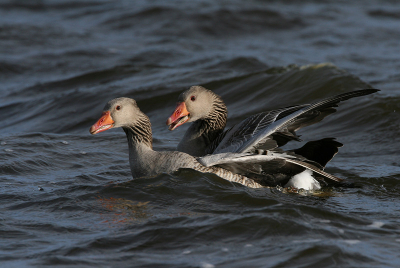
(105, 122)
(179, 117)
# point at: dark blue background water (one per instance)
(67, 198)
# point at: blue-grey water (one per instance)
(67, 198)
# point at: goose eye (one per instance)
(193, 98)
(118, 108)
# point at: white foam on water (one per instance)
(324, 221)
(351, 241)
(206, 265)
(307, 241)
(376, 224)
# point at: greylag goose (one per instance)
(249, 169)
(267, 130)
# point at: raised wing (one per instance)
(275, 128)
(233, 138)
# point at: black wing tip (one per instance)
(333, 101)
(333, 140)
(370, 90)
(358, 93)
(361, 92)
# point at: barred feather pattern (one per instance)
(214, 124)
(140, 132)
(228, 175)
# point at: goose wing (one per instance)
(270, 169)
(275, 128)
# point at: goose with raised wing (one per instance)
(266, 130)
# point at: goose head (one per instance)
(193, 104)
(120, 112)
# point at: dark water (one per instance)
(67, 198)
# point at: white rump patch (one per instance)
(304, 180)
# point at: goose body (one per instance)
(144, 161)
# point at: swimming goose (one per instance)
(267, 130)
(249, 169)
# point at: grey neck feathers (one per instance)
(140, 132)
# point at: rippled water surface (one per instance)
(67, 198)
